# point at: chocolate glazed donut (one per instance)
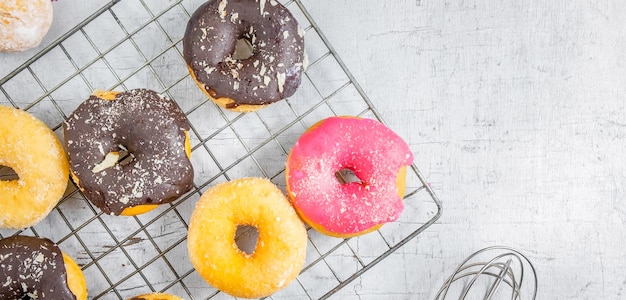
(271, 73)
(151, 129)
(32, 268)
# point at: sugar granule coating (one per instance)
(38, 158)
(280, 249)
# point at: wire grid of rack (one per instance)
(137, 44)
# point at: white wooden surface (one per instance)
(517, 114)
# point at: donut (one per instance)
(35, 154)
(280, 249)
(377, 157)
(156, 296)
(244, 81)
(23, 23)
(153, 132)
(35, 268)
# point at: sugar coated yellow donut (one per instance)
(23, 23)
(376, 155)
(32, 150)
(280, 249)
(35, 268)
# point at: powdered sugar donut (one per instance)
(374, 153)
(280, 249)
(23, 23)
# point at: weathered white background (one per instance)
(516, 111)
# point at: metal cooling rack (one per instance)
(137, 44)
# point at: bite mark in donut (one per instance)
(151, 129)
(36, 268)
(271, 73)
(372, 151)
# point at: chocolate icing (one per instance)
(32, 268)
(151, 127)
(272, 72)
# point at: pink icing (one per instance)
(371, 150)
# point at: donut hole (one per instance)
(346, 176)
(125, 157)
(122, 158)
(243, 49)
(8, 174)
(246, 237)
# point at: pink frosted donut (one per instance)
(374, 153)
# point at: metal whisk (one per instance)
(492, 267)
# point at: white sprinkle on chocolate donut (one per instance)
(273, 70)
